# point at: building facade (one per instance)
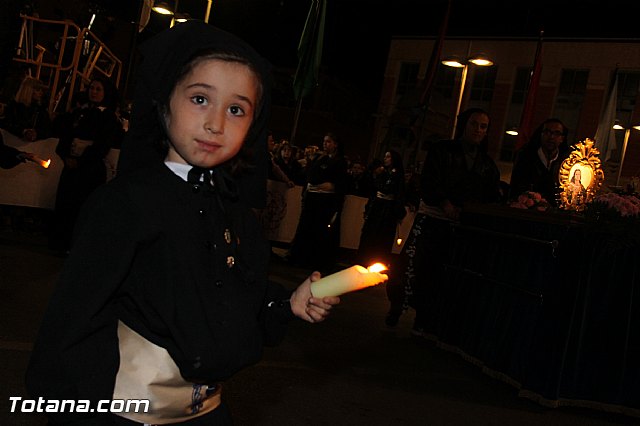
(575, 83)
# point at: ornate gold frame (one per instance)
(584, 158)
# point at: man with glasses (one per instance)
(538, 163)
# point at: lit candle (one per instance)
(43, 163)
(351, 279)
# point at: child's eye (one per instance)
(199, 100)
(236, 110)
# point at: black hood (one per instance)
(163, 57)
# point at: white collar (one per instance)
(180, 169)
(543, 158)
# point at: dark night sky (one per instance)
(358, 32)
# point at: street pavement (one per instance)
(348, 370)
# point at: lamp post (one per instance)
(627, 133)
(456, 62)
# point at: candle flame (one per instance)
(46, 163)
(377, 267)
(399, 241)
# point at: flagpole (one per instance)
(296, 117)
(524, 129)
(627, 132)
(309, 54)
(430, 76)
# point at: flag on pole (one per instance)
(605, 138)
(434, 61)
(310, 50)
(525, 128)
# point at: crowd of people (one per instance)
(175, 234)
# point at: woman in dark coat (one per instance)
(86, 135)
(384, 210)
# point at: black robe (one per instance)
(151, 252)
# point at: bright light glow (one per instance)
(481, 61)
(617, 126)
(453, 63)
(637, 127)
(512, 132)
(399, 241)
(377, 267)
(162, 8)
(182, 17)
(45, 164)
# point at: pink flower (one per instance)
(529, 202)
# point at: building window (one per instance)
(520, 85)
(484, 79)
(518, 95)
(445, 81)
(573, 85)
(628, 87)
(407, 79)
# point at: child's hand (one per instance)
(309, 308)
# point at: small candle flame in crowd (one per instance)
(43, 163)
(377, 267)
(399, 241)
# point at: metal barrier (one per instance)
(65, 72)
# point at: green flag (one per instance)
(310, 50)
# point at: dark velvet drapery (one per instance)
(544, 301)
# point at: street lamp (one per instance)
(163, 8)
(456, 62)
(627, 133)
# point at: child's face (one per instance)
(210, 112)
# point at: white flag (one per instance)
(145, 14)
(605, 138)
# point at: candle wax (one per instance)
(351, 279)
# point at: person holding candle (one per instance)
(384, 211)
(165, 293)
(11, 157)
(317, 235)
(26, 116)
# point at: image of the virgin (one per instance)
(585, 173)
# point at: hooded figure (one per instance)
(165, 292)
(163, 57)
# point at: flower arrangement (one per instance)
(619, 204)
(617, 215)
(530, 200)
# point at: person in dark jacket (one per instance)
(165, 293)
(318, 233)
(455, 172)
(537, 165)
